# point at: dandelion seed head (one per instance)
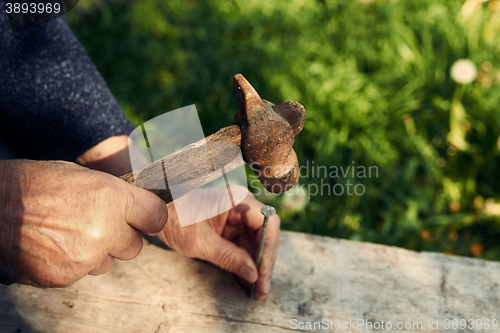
(463, 71)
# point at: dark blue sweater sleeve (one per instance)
(53, 102)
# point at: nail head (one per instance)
(268, 210)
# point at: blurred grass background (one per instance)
(374, 76)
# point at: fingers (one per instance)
(249, 213)
(264, 282)
(144, 210)
(269, 256)
(126, 244)
(271, 244)
(128, 210)
(229, 256)
(104, 267)
(263, 285)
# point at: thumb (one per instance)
(229, 256)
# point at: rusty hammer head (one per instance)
(267, 136)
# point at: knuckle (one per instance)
(226, 259)
(110, 265)
(96, 233)
(104, 267)
(160, 215)
(107, 190)
(136, 247)
(129, 247)
(147, 203)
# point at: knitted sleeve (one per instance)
(54, 104)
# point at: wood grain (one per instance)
(191, 167)
(315, 278)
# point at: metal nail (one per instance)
(267, 211)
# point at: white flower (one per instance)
(295, 199)
(463, 71)
(491, 207)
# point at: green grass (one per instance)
(374, 77)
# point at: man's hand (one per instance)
(229, 240)
(60, 222)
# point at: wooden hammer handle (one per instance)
(189, 168)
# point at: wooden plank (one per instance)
(315, 278)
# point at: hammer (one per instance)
(263, 131)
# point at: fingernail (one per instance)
(248, 274)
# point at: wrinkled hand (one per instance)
(229, 240)
(60, 222)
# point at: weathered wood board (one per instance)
(315, 278)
